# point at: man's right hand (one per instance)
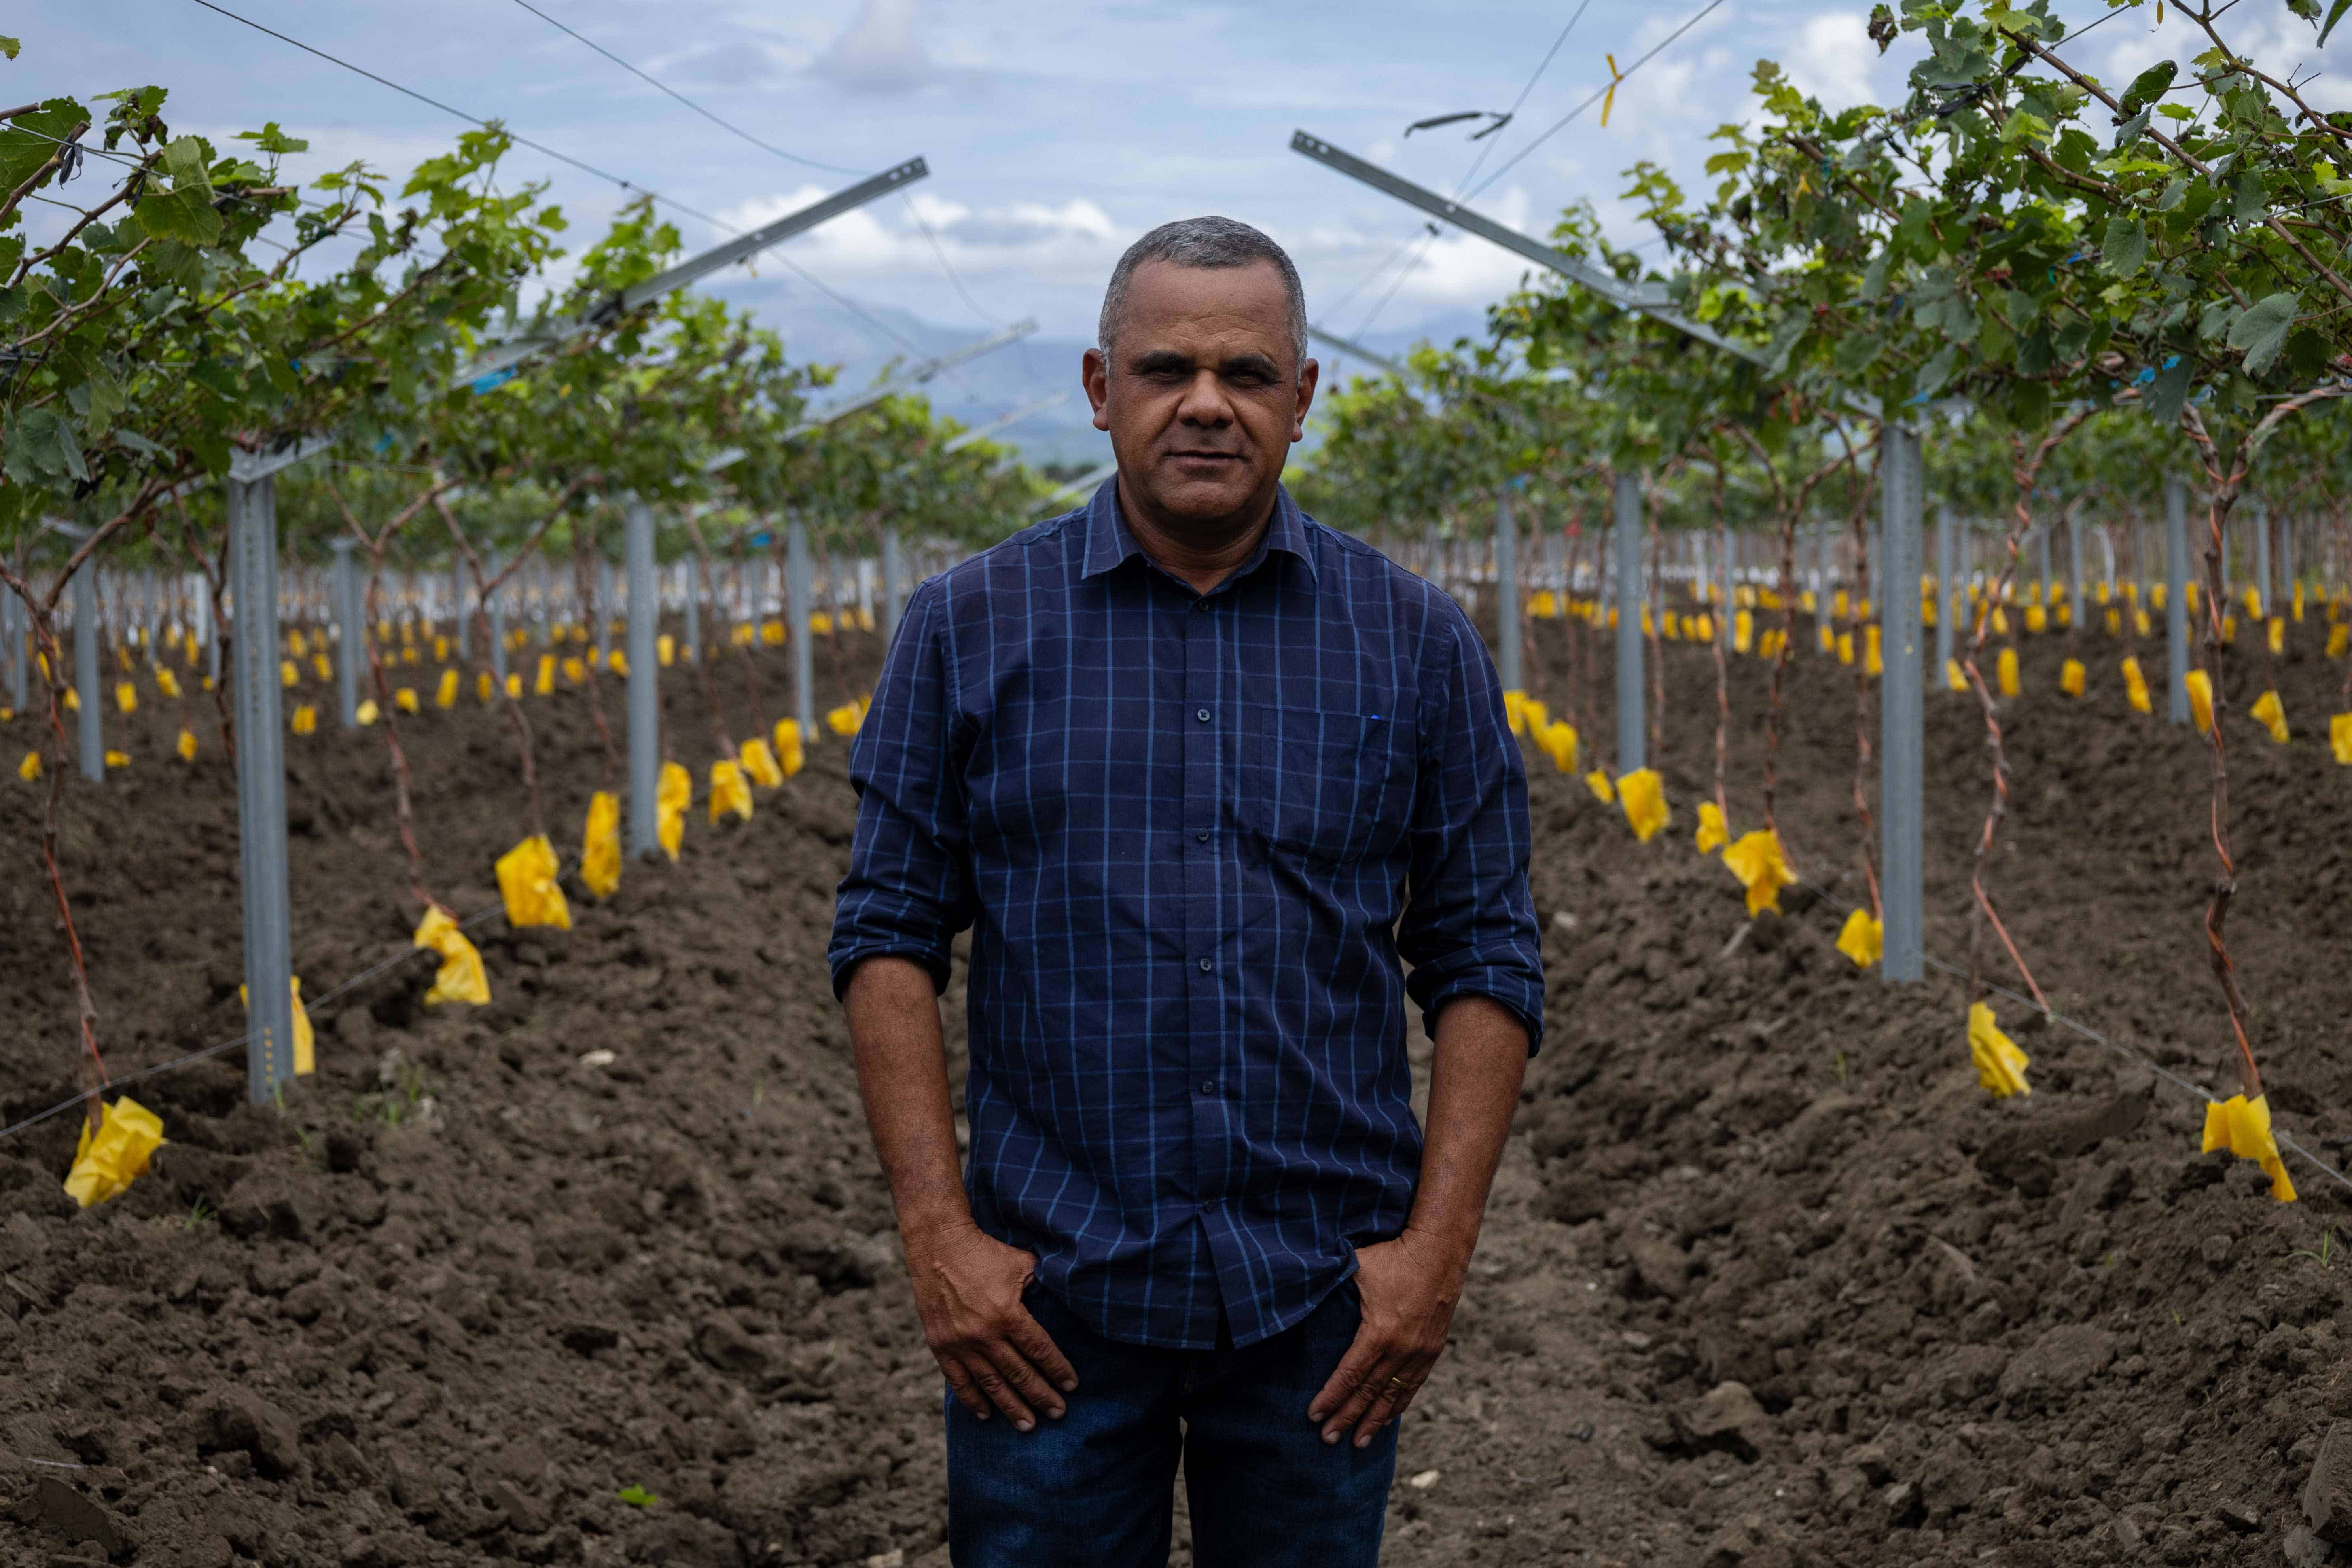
(967, 1289)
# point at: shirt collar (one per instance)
(1110, 545)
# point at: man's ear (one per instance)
(1094, 375)
(1309, 375)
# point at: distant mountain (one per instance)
(868, 340)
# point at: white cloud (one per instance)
(1834, 59)
(878, 51)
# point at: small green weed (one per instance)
(2322, 1258)
(636, 1497)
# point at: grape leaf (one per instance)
(2262, 331)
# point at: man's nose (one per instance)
(1204, 401)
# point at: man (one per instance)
(1198, 773)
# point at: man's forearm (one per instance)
(902, 1077)
(1473, 1087)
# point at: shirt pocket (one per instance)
(1328, 786)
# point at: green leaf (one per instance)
(2149, 85)
(2125, 249)
(31, 140)
(1937, 372)
(40, 443)
(1857, 354)
(2262, 331)
(2170, 391)
(1873, 276)
(273, 140)
(184, 159)
(185, 216)
(2035, 354)
(2249, 199)
(2335, 14)
(2130, 129)
(8, 47)
(636, 1497)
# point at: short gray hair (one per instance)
(1205, 242)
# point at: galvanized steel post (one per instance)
(1947, 595)
(1506, 595)
(1901, 709)
(797, 597)
(645, 690)
(351, 629)
(893, 585)
(261, 787)
(2176, 594)
(1633, 733)
(86, 671)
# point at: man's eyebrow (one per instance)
(1153, 360)
(1259, 363)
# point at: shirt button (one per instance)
(1204, 837)
(1201, 714)
(1208, 1086)
(1206, 966)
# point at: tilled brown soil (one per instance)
(1767, 1278)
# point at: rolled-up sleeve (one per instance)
(1469, 926)
(909, 891)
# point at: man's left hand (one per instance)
(1409, 1288)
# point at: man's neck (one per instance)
(1202, 556)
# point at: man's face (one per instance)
(1203, 401)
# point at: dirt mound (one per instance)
(1769, 1279)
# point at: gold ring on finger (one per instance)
(1399, 1383)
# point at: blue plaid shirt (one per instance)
(1193, 835)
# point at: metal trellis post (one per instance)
(86, 671)
(1947, 595)
(351, 630)
(645, 690)
(1632, 732)
(1901, 709)
(2262, 593)
(893, 585)
(2176, 594)
(261, 787)
(1506, 595)
(796, 598)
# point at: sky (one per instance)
(1057, 131)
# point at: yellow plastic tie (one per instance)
(166, 682)
(2278, 635)
(575, 671)
(2005, 668)
(514, 684)
(30, 768)
(305, 718)
(186, 744)
(2135, 686)
(729, 791)
(1760, 863)
(1642, 793)
(2201, 699)
(2243, 1126)
(844, 719)
(126, 696)
(674, 794)
(1954, 676)
(404, 699)
(105, 1165)
(1602, 790)
(1863, 939)
(460, 978)
(1609, 99)
(1713, 835)
(599, 845)
(791, 756)
(1874, 661)
(2339, 741)
(1845, 648)
(2071, 678)
(1515, 712)
(367, 713)
(2271, 714)
(544, 685)
(2000, 1066)
(527, 881)
(758, 763)
(666, 649)
(115, 759)
(287, 674)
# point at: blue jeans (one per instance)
(1096, 1489)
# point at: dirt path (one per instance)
(1767, 1278)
